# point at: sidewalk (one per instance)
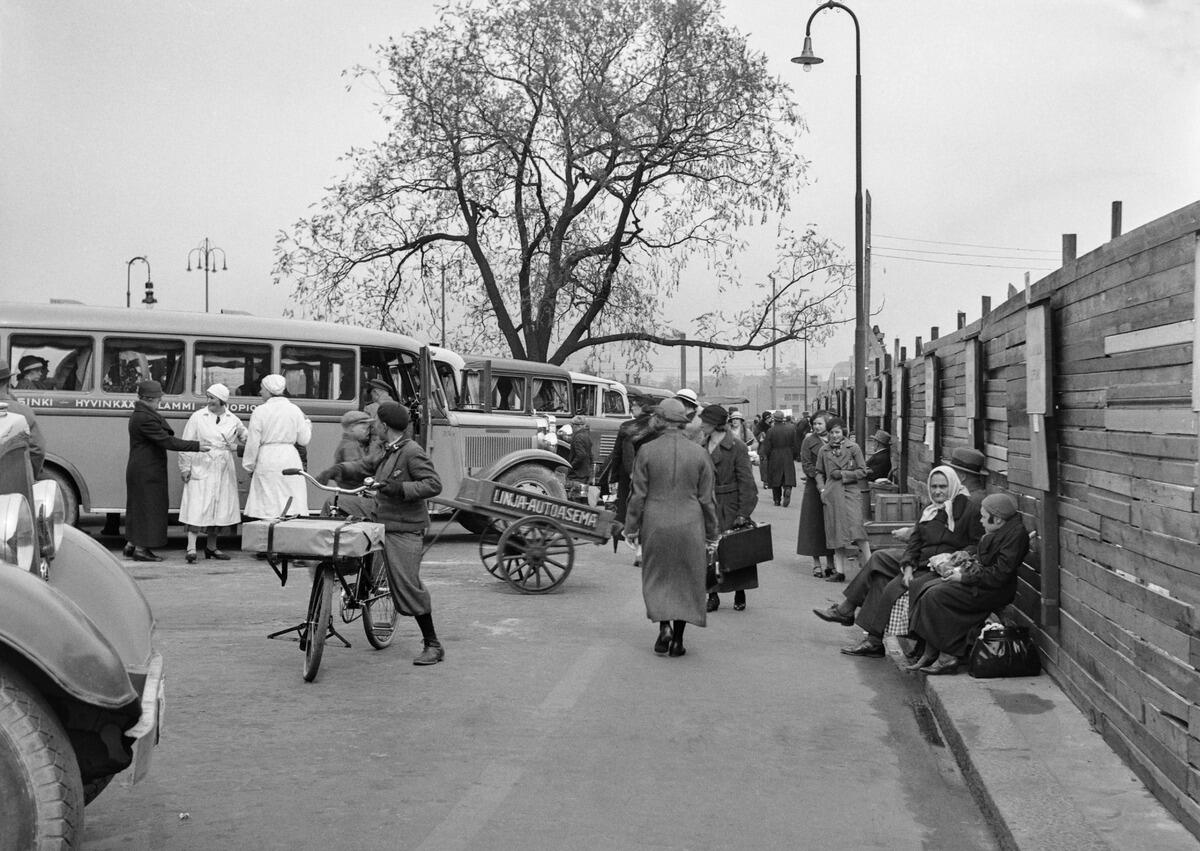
(1041, 775)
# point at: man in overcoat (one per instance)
(146, 497)
(735, 494)
(779, 449)
(37, 443)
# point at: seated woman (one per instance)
(946, 612)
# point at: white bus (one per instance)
(95, 356)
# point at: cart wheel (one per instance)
(489, 540)
(317, 627)
(535, 554)
(379, 612)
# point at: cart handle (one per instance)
(367, 488)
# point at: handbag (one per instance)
(744, 547)
(1004, 651)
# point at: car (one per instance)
(81, 683)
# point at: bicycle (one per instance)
(365, 591)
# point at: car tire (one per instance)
(534, 477)
(42, 804)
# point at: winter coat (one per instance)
(736, 495)
(842, 497)
(779, 447)
(146, 498)
(408, 480)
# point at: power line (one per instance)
(956, 253)
(967, 244)
(958, 263)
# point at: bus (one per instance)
(95, 356)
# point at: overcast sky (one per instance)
(989, 130)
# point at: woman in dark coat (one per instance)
(146, 498)
(671, 512)
(778, 449)
(810, 538)
(946, 612)
(840, 468)
(735, 495)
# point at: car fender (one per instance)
(541, 457)
(40, 624)
(71, 472)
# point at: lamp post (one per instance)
(861, 308)
(128, 269)
(206, 259)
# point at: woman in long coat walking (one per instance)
(778, 450)
(146, 497)
(210, 486)
(672, 514)
(277, 427)
(810, 537)
(840, 467)
(735, 495)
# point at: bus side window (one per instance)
(585, 399)
(552, 395)
(51, 362)
(506, 393)
(313, 372)
(614, 403)
(129, 360)
(239, 366)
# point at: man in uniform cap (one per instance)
(37, 443)
(146, 497)
(406, 479)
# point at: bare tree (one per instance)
(582, 159)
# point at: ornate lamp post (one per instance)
(128, 269)
(206, 259)
(861, 308)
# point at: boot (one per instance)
(432, 654)
(787, 497)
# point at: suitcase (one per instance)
(312, 537)
(739, 548)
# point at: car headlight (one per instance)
(50, 511)
(18, 542)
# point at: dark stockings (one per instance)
(425, 622)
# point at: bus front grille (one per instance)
(484, 449)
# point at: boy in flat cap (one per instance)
(407, 479)
(356, 438)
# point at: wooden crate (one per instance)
(879, 533)
(895, 508)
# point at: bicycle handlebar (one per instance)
(369, 485)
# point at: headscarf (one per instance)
(274, 384)
(956, 487)
(220, 391)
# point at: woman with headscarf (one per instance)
(810, 537)
(277, 427)
(840, 468)
(947, 611)
(672, 514)
(210, 488)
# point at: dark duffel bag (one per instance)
(1004, 651)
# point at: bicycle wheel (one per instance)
(319, 610)
(379, 612)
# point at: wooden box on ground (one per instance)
(894, 507)
(879, 533)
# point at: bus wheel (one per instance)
(70, 499)
(534, 477)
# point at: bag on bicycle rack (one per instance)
(314, 537)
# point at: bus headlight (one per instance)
(18, 542)
(547, 435)
(50, 511)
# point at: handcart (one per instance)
(530, 539)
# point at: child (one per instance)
(356, 436)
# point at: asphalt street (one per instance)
(550, 725)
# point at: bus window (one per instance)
(128, 360)
(552, 395)
(614, 403)
(318, 373)
(239, 366)
(507, 393)
(51, 362)
(471, 397)
(445, 374)
(585, 399)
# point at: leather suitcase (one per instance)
(740, 548)
(312, 537)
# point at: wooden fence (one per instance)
(1084, 394)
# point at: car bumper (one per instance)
(146, 732)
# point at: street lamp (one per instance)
(861, 309)
(128, 269)
(206, 259)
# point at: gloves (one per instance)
(186, 475)
(741, 522)
(326, 476)
(835, 474)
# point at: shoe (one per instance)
(663, 644)
(787, 500)
(836, 577)
(739, 607)
(713, 603)
(128, 551)
(143, 554)
(918, 664)
(739, 601)
(217, 554)
(917, 652)
(938, 668)
(834, 615)
(866, 647)
(777, 502)
(676, 649)
(432, 654)
(190, 558)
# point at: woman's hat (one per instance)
(688, 397)
(777, 416)
(735, 414)
(883, 438)
(672, 411)
(394, 415)
(714, 415)
(31, 362)
(1000, 505)
(967, 460)
(274, 384)
(220, 391)
(149, 389)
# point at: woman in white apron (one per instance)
(277, 427)
(210, 489)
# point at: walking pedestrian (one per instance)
(579, 474)
(210, 487)
(277, 427)
(356, 440)
(735, 495)
(37, 443)
(780, 448)
(810, 536)
(671, 512)
(840, 468)
(146, 496)
(408, 479)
